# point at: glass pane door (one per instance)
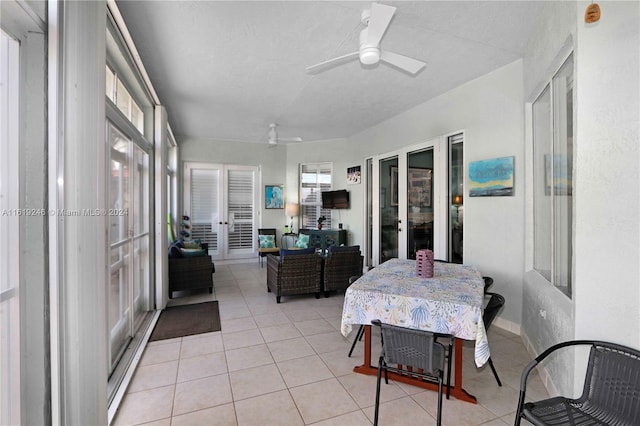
(420, 205)
(388, 208)
(140, 217)
(129, 259)
(119, 301)
(456, 198)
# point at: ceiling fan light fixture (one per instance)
(369, 55)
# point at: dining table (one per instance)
(449, 303)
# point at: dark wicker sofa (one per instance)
(189, 272)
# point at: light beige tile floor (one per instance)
(287, 364)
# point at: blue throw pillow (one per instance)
(267, 241)
(302, 241)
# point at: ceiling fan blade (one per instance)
(331, 62)
(406, 63)
(290, 139)
(378, 22)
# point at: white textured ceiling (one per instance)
(226, 69)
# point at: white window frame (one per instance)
(9, 231)
(556, 121)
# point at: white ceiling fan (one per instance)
(376, 21)
(274, 139)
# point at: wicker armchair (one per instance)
(295, 273)
(190, 273)
(341, 264)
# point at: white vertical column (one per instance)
(160, 208)
(77, 182)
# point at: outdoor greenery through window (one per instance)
(314, 178)
(553, 142)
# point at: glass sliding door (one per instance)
(368, 179)
(408, 191)
(119, 300)
(456, 198)
(140, 218)
(388, 208)
(420, 205)
(129, 260)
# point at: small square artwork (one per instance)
(353, 175)
(492, 177)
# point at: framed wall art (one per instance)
(353, 175)
(274, 196)
(492, 177)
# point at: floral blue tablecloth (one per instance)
(448, 303)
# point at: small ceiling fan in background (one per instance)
(376, 21)
(274, 139)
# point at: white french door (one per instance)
(129, 260)
(221, 201)
(408, 190)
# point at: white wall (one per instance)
(607, 243)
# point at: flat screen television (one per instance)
(335, 199)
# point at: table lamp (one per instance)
(292, 210)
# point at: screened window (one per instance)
(119, 95)
(314, 178)
(553, 124)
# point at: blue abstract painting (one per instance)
(491, 177)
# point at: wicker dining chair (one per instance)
(610, 396)
(406, 347)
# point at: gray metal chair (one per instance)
(611, 393)
(496, 302)
(409, 348)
